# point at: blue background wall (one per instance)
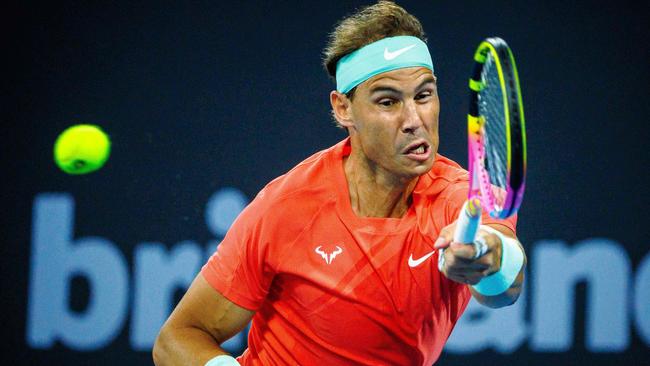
(207, 101)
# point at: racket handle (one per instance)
(468, 221)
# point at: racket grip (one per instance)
(468, 221)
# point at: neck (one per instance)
(375, 192)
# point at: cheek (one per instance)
(376, 140)
(435, 141)
(434, 132)
(379, 135)
(432, 115)
(435, 111)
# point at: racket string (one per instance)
(496, 149)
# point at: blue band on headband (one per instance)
(384, 55)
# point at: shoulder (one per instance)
(297, 195)
(439, 194)
(444, 179)
(448, 170)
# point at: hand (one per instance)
(461, 264)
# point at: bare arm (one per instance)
(461, 268)
(202, 321)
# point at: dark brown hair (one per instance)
(369, 24)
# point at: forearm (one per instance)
(509, 297)
(184, 346)
(202, 321)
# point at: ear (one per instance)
(341, 108)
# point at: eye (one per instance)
(423, 95)
(386, 102)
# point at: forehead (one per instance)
(406, 78)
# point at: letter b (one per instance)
(55, 259)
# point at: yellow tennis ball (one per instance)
(81, 149)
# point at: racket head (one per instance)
(496, 130)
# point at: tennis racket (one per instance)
(496, 139)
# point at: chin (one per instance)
(423, 169)
(417, 171)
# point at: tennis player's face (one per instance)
(396, 120)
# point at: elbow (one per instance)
(156, 352)
(160, 348)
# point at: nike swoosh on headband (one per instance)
(398, 53)
(388, 55)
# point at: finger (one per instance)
(441, 243)
(471, 276)
(471, 280)
(492, 256)
(463, 251)
(467, 272)
(445, 237)
(460, 265)
(489, 271)
(480, 247)
(459, 257)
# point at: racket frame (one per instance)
(480, 186)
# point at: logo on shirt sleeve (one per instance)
(328, 256)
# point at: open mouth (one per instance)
(418, 149)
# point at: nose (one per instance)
(411, 119)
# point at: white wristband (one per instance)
(222, 360)
(512, 259)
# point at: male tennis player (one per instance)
(335, 261)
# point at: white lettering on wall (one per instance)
(159, 271)
(56, 258)
(642, 299)
(557, 268)
(158, 274)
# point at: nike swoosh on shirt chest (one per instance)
(416, 262)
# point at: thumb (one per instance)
(441, 243)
